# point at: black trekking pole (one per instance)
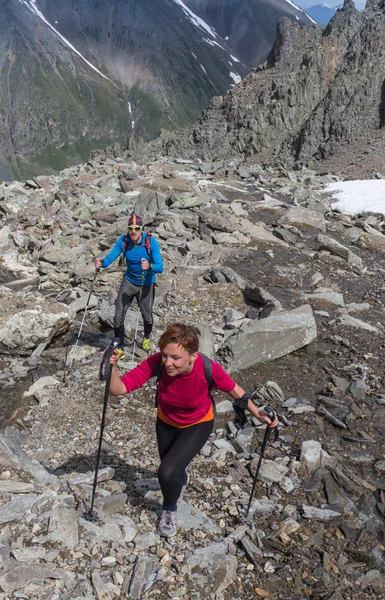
(84, 317)
(269, 412)
(105, 371)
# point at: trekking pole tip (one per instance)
(90, 516)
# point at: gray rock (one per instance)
(41, 384)
(15, 576)
(215, 559)
(358, 389)
(269, 392)
(334, 492)
(109, 532)
(11, 451)
(311, 455)
(145, 540)
(101, 590)
(111, 504)
(327, 296)
(349, 321)
(244, 439)
(81, 303)
(367, 579)
(340, 250)
(319, 514)
(270, 338)
(15, 487)
(88, 478)
(263, 298)
(321, 410)
(14, 510)
(140, 576)
(303, 218)
(64, 527)
(190, 517)
(206, 342)
(270, 471)
(29, 554)
(25, 329)
(225, 445)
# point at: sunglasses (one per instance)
(131, 228)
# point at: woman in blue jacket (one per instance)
(143, 258)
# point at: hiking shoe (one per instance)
(167, 525)
(121, 353)
(146, 344)
(185, 484)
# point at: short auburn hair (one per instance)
(186, 336)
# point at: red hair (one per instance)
(186, 336)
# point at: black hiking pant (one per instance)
(177, 447)
(144, 295)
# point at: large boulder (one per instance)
(23, 329)
(267, 339)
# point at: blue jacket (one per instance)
(133, 255)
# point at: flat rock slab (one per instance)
(14, 510)
(190, 517)
(333, 297)
(349, 321)
(270, 471)
(319, 514)
(88, 478)
(64, 527)
(145, 540)
(339, 250)
(16, 576)
(110, 532)
(15, 455)
(303, 218)
(140, 576)
(214, 559)
(29, 554)
(101, 590)
(267, 339)
(15, 487)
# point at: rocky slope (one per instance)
(84, 73)
(318, 90)
(257, 257)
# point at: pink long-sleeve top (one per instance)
(183, 400)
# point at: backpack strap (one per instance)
(158, 375)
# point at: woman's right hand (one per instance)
(98, 263)
(114, 357)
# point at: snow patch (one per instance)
(197, 21)
(212, 43)
(300, 10)
(234, 58)
(360, 196)
(235, 77)
(31, 5)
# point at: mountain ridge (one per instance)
(319, 88)
(162, 62)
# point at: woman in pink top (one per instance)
(185, 410)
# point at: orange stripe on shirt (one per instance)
(208, 417)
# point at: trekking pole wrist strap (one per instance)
(243, 401)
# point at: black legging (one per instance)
(177, 447)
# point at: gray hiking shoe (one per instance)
(167, 525)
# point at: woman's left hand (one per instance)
(265, 419)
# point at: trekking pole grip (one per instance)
(269, 412)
